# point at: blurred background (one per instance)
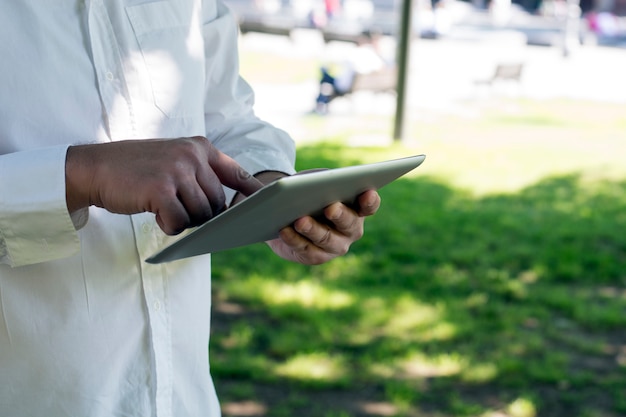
(492, 281)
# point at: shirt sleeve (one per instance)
(35, 225)
(230, 121)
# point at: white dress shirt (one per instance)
(87, 328)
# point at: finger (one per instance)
(232, 174)
(345, 220)
(368, 203)
(212, 187)
(323, 236)
(294, 240)
(302, 249)
(172, 218)
(197, 204)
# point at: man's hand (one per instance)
(313, 242)
(179, 180)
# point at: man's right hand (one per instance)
(179, 180)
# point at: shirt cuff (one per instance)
(35, 225)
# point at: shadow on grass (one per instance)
(450, 306)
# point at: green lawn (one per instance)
(491, 283)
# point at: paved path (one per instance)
(443, 74)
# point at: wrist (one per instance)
(78, 176)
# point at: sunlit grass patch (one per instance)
(315, 368)
(522, 407)
(419, 365)
(405, 318)
(305, 293)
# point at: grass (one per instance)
(491, 283)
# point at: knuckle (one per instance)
(243, 175)
(200, 139)
(356, 228)
(163, 191)
(189, 148)
(343, 249)
(326, 238)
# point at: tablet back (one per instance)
(261, 216)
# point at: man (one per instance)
(120, 120)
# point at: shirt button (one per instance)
(109, 76)
(146, 227)
(157, 305)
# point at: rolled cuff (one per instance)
(35, 225)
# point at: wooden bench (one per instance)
(349, 37)
(504, 72)
(260, 26)
(382, 81)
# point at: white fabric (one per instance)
(86, 327)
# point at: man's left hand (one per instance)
(311, 242)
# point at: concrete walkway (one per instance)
(443, 74)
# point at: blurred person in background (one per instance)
(332, 8)
(124, 122)
(337, 79)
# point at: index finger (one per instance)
(231, 174)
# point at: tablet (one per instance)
(263, 214)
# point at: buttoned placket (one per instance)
(109, 69)
(156, 294)
(118, 106)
